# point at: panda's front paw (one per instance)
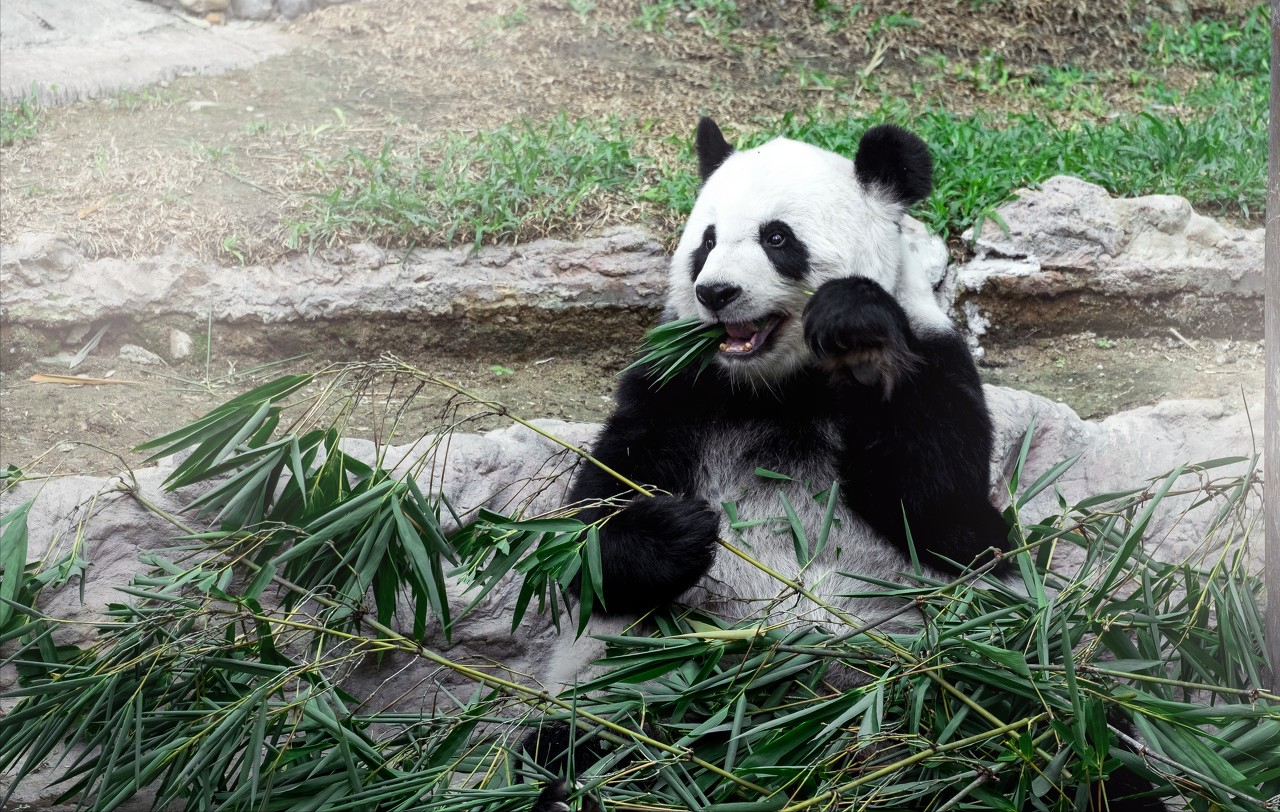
(855, 326)
(553, 798)
(654, 550)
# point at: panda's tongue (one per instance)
(745, 337)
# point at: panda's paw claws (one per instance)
(855, 327)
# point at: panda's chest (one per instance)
(754, 461)
(778, 488)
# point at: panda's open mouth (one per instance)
(749, 337)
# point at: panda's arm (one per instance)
(914, 422)
(652, 548)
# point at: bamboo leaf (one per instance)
(13, 559)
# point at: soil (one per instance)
(54, 428)
(225, 165)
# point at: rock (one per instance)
(622, 272)
(1074, 258)
(573, 289)
(139, 355)
(39, 259)
(64, 50)
(251, 9)
(290, 9)
(1124, 451)
(930, 250)
(180, 344)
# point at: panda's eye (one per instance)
(709, 243)
(775, 239)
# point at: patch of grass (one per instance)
(836, 16)
(716, 17)
(148, 97)
(582, 8)
(1218, 162)
(526, 180)
(1066, 88)
(513, 183)
(890, 22)
(515, 18)
(18, 122)
(1241, 49)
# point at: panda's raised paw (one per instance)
(855, 327)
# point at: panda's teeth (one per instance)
(746, 347)
(724, 347)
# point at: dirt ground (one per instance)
(53, 428)
(225, 165)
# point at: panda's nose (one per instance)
(718, 295)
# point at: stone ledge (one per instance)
(1074, 258)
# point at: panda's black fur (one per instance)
(859, 379)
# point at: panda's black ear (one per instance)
(713, 150)
(897, 161)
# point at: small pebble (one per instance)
(139, 355)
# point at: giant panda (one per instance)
(838, 366)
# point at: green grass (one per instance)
(1217, 162)
(512, 183)
(716, 17)
(1207, 143)
(18, 122)
(1240, 49)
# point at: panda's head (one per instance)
(771, 224)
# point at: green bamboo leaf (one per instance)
(1123, 555)
(341, 519)
(1047, 478)
(799, 540)
(1020, 462)
(427, 569)
(13, 559)
(828, 518)
(765, 473)
(1014, 661)
(181, 438)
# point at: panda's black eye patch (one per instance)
(776, 234)
(789, 256)
(700, 256)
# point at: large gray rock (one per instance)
(515, 470)
(1075, 259)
